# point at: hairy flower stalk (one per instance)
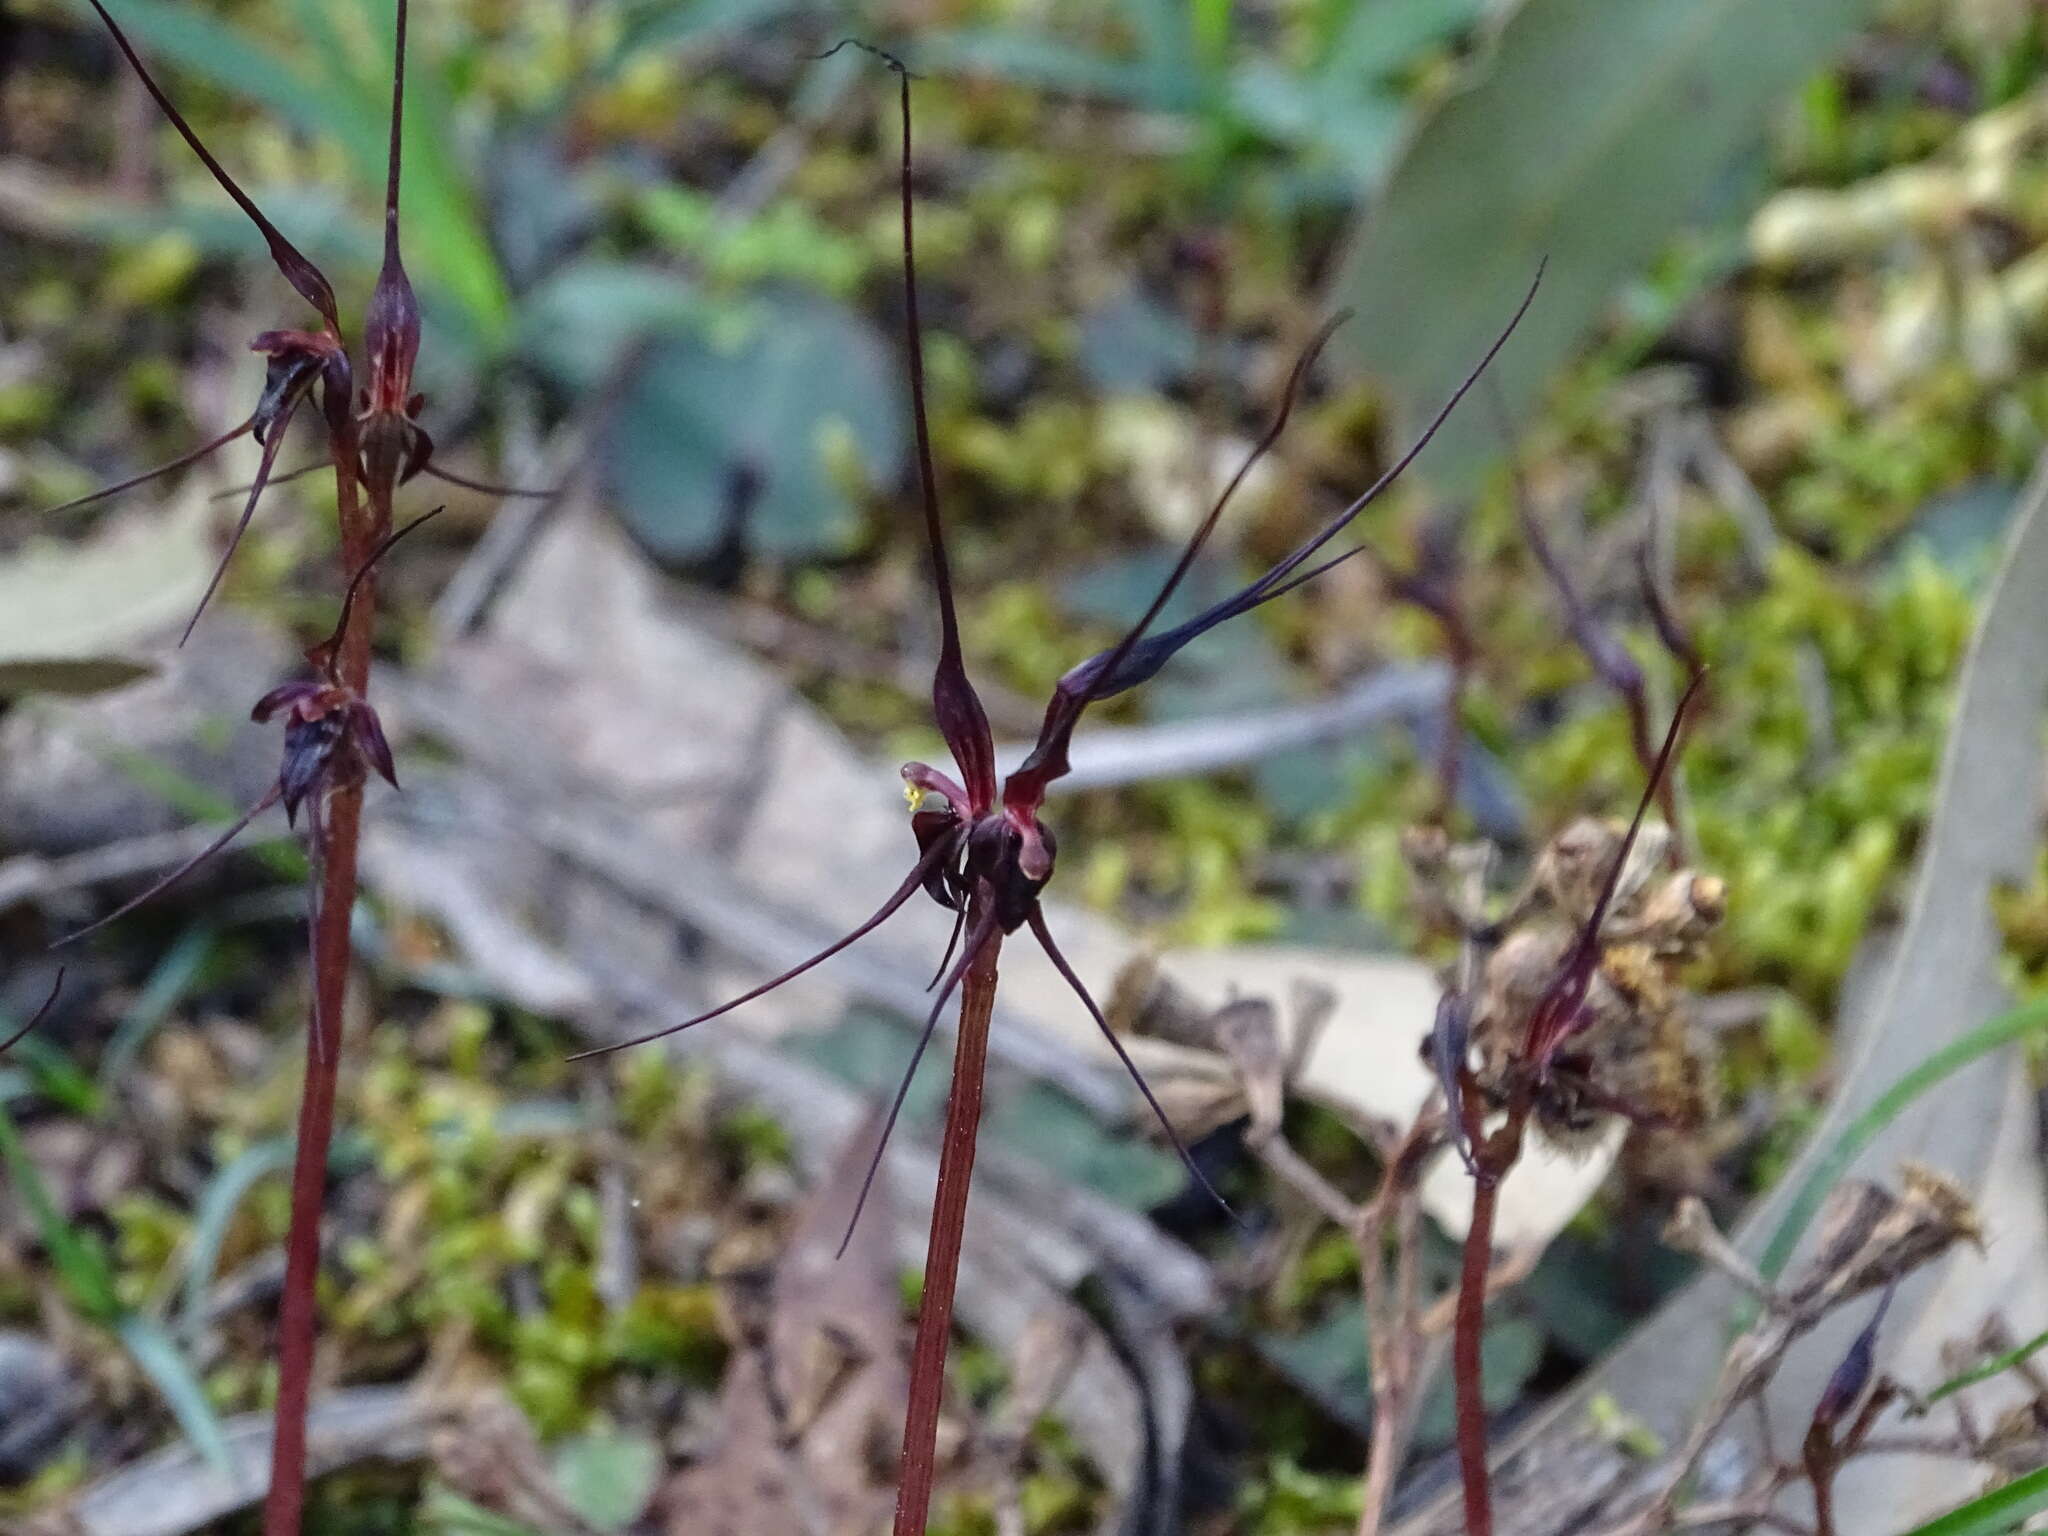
(984, 853)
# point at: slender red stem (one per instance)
(1495, 1156)
(942, 1255)
(285, 1505)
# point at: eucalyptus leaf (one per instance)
(73, 614)
(75, 677)
(763, 442)
(1594, 129)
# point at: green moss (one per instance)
(1287, 1500)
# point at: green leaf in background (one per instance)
(1996, 1513)
(868, 1049)
(1509, 1353)
(2016, 1024)
(608, 1477)
(807, 402)
(670, 24)
(1595, 128)
(1372, 39)
(578, 324)
(445, 1512)
(1032, 58)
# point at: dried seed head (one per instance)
(1871, 1238)
(1573, 866)
(1631, 1049)
(1676, 915)
(2018, 1442)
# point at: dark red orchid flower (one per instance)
(332, 738)
(984, 852)
(378, 428)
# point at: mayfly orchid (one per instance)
(984, 851)
(377, 431)
(332, 740)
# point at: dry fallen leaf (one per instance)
(74, 615)
(811, 1408)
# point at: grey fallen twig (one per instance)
(1109, 755)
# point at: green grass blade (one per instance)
(1998, 1512)
(158, 1357)
(82, 1269)
(169, 982)
(1997, 1366)
(217, 1205)
(279, 851)
(345, 101)
(2015, 1024)
(193, 40)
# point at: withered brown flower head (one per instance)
(1632, 1050)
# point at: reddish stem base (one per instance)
(942, 1256)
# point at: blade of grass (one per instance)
(224, 1194)
(81, 1267)
(88, 1283)
(1997, 1512)
(167, 986)
(340, 103)
(281, 855)
(1998, 1365)
(217, 1205)
(52, 1074)
(159, 1358)
(2013, 1025)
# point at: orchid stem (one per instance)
(942, 1255)
(1495, 1157)
(284, 1507)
